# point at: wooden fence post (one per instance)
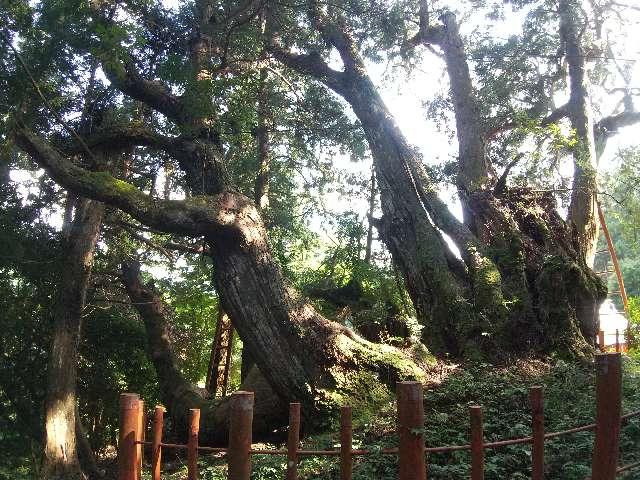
(601, 340)
(127, 459)
(156, 448)
(140, 438)
(346, 439)
(412, 464)
(536, 399)
(192, 444)
(608, 407)
(240, 425)
(617, 341)
(477, 443)
(293, 440)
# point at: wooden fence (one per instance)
(617, 346)
(411, 451)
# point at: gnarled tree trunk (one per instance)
(520, 269)
(341, 364)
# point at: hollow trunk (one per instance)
(60, 448)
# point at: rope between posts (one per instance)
(626, 468)
(394, 451)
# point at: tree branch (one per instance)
(198, 216)
(183, 148)
(609, 126)
(126, 78)
(310, 64)
(553, 117)
(337, 36)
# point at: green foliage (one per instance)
(634, 323)
(194, 305)
(503, 393)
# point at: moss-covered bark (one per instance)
(494, 301)
(340, 368)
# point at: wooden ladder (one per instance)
(614, 259)
(611, 250)
(220, 361)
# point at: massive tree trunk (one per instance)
(582, 210)
(520, 271)
(177, 393)
(60, 449)
(342, 366)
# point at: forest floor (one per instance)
(503, 392)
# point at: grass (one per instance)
(503, 393)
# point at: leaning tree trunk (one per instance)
(520, 271)
(60, 448)
(345, 367)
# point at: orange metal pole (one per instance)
(477, 443)
(412, 464)
(156, 449)
(192, 444)
(240, 425)
(608, 407)
(536, 399)
(127, 461)
(293, 440)
(346, 444)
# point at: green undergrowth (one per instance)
(503, 392)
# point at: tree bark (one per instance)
(60, 450)
(582, 210)
(265, 124)
(347, 355)
(510, 251)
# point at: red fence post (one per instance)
(536, 399)
(127, 461)
(156, 448)
(192, 444)
(477, 443)
(346, 439)
(412, 464)
(601, 340)
(140, 438)
(293, 440)
(240, 425)
(608, 407)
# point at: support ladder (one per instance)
(220, 361)
(616, 268)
